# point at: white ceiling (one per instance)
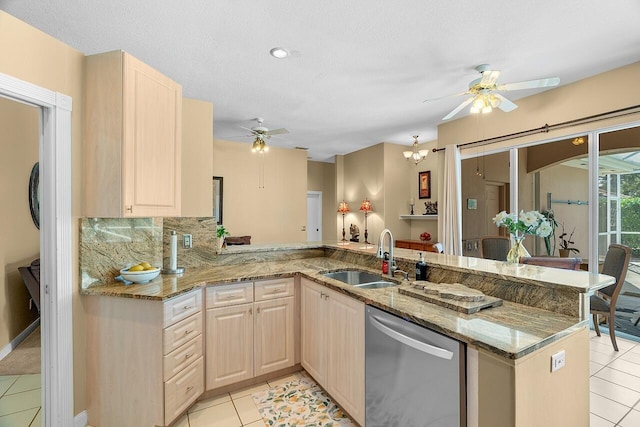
(360, 69)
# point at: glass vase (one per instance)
(516, 251)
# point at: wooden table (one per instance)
(416, 245)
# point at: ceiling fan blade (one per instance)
(531, 84)
(505, 104)
(276, 131)
(446, 96)
(236, 136)
(458, 109)
(489, 77)
(249, 129)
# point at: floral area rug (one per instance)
(299, 403)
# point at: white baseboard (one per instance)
(80, 420)
(17, 340)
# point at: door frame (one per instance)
(56, 285)
(319, 197)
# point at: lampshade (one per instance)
(416, 155)
(365, 206)
(343, 207)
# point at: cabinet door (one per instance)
(152, 135)
(229, 345)
(273, 335)
(345, 348)
(314, 330)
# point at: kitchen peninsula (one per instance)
(509, 381)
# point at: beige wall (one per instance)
(363, 176)
(429, 164)
(321, 176)
(30, 55)
(197, 158)
(270, 207)
(20, 242)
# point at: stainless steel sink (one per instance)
(361, 279)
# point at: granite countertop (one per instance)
(511, 330)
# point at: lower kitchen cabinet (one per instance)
(249, 339)
(144, 359)
(333, 345)
(229, 345)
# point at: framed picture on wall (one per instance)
(424, 185)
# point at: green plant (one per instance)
(221, 231)
(550, 240)
(565, 241)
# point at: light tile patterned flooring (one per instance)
(615, 394)
(20, 401)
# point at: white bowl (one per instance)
(140, 276)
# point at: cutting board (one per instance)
(454, 296)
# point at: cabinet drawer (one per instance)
(182, 306)
(182, 357)
(277, 288)
(183, 331)
(221, 296)
(182, 390)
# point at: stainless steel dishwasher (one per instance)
(414, 377)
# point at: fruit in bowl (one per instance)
(425, 236)
(140, 273)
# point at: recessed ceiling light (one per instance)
(278, 52)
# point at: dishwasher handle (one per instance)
(411, 342)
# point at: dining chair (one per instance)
(494, 247)
(554, 262)
(603, 302)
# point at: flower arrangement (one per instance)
(532, 222)
(550, 240)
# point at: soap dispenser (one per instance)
(421, 269)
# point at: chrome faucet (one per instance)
(392, 266)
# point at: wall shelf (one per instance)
(430, 216)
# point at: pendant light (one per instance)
(415, 155)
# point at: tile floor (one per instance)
(614, 386)
(20, 397)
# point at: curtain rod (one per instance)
(547, 127)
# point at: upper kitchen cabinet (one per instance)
(132, 139)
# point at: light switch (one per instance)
(187, 241)
(557, 361)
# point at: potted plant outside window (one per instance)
(566, 242)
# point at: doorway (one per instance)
(314, 216)
(55, 245)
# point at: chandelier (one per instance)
(415, 155)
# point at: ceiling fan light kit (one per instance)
(415, 154)
(483, 92)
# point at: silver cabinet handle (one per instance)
(250, 311)
(321, 294)
(276, 290)
(411, 342)
(188, 307)
(188, 355)
(189, 388)
(187, 332)
(258, 310)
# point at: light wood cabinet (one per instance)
(273, 335)
(245, 338)
(144, 359)
(229, 345)
(333, 345)
(132, 139)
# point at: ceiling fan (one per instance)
(261, 134)
(484, 96)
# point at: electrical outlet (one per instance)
(187, 241)
(557, 361)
